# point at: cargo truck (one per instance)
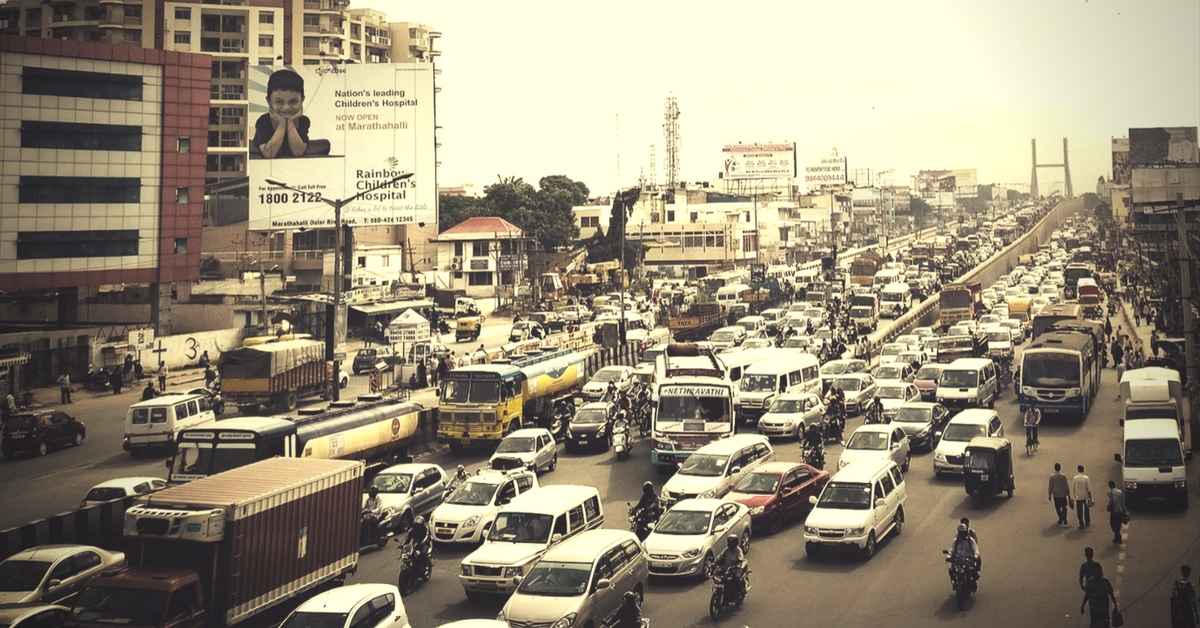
(697, 323)
(960, 302)
(276, 374)
(218, 551)
(1153, 393)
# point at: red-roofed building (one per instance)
(485, 256)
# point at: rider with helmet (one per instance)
(629, 615)
(963, 546)
(733, 562)
(418, 535)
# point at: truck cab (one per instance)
(153, 597)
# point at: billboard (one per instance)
(820, 171)
(333, 132)
(1163, 145)
(759, 161)
(964, 177)
(1120, 161)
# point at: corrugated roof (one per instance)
(249, 483)
(482, 224)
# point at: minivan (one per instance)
(584, 579)
(524, 529)
(860, 505)
(717, 467)
(762, 381)
(968, 383)
(895, 300)
(727, 296)
(157, 422)
(1152, 466)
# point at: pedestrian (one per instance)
(1118, 353)
(1118, 514)
(64, 383)
(481, 354)
(452, 362)
(443, 367)
(1146, 312)
(114, 378)
(1089, 568)
(431, 368)
(1059, 491)
(1154, 342)
(1107, 327)
(1095, 598)
(1184, 613)
(1082, 494)
(149, 393)
(210, 376)
(422, 381)
(162, 375)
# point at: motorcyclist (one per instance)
(974, 537)
(733, 563)
(460, 476)
(418, 535)
(875, 411)
(1033, 416)
(372, 512)
(963, 546)
(629, 615)
(610, 394)
(814, 442)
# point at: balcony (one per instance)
(308, 260)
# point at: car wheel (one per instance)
(869, 549)
(78, 439)
(898, 521)
(553, 463)
(706, 566)
(811, 549)
(907, 462)
(405, 522)
(42, 448)
(746, 540)
(774, 522)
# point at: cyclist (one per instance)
(1033, 416)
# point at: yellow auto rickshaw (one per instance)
(467, 328)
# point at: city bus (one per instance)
(1052, 314)
(1061, 372)
(694, 404)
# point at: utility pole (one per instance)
(1189, 322)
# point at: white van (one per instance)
(857, 508)
(887, 277)
(1152, 466)
(762, 381)
(895, 300)
(968, 383)
(953, 439)
(727, 296)
(755, 325)
(529, 525)
(155, 423)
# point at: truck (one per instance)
(697, 323)
(1153, 392)
(960, 302)
(376, 432)
(219, 551)
(864, 267)
(276, 374)
(479, 405)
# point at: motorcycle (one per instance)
(1004, 374)
(620, 439)
(218, 404)
(416, 565)
(564, 411)
(814, 457)
(729, 586)
(832, 429)
(641, 520)
(372, 531)
(96, 381)
(963, 577)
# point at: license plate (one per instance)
(466, 441)
(831, 543)
(983, 478)
(661, 565)
(445, 531)
(582, 440)
(487, 585)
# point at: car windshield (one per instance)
(796, 342)
(860, 311)
(834, 368)
(590, 416)
(520, 444)
(823, 334)
(113, 605)
(556, 579)
(21, 575)
(758, 383)
(704, 465)
(848, 383)
(105, 493)
(519, 527)
(962, 432)
(999, 336)
(889, 372)
(365, 353)
(868, 440)
(392, 482)
(683, 522)
(913, 415)
(1158, 452)
(473, 494)
(606, 375)
(929, 372)
(302, 619)
(891, 392)
(723, 336)
(957, 378)
(846, 496)
(892, 349)
(758, 484)
(787, 406)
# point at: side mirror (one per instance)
(516, 580)
(1117, 457)
(1121, 422)
(555, 538)
(812, 499)
(735, 471)
(54, 583)
(603, 583)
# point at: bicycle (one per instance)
(1031, 441)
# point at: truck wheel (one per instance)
(288, 401)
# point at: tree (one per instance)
(919, 209)
(974, 205)
(455, 209)
(1090, 199)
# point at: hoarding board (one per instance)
(1120, 161)
(965, 177)
(759, 161)
(820, 171)
(354, 127)
(1163, 145)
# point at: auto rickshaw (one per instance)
(987, 468)
(467, 328)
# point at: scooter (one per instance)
(372, 531)
(641, 521)
(96, 381)
(620, 439)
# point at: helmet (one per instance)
(373, 491)
(876, 397)
(461, 468)
(733, 540)
(962, 529)
(647, 488)
(419, 520)
(630, 597)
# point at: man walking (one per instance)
(1059, 490)
(1082, 494)
(1117, 512)
(162, 375)
(1118, 353)
(64, 383)
(1096, 597)
(1089, 569)
(1183, 601)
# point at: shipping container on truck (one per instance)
(218, 551)
(697, 323)
(959, 302)
(276, 374)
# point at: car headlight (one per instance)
(565, 622)
(512, 572)
(466, 569)
(692, 553)
(787, 425)
(472, 522)
(854, 531)
(709, 494)
(757, 510)
(810, 530)
(939, 456)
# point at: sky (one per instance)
(535, 88)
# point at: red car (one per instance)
(778, 491)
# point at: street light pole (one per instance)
(331, 312)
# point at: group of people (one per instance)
(1077, 494)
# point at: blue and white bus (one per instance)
(1061, 372)
(695, 403)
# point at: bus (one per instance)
(1052, 314)
(694, 404)
(1060, 371)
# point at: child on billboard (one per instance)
(283, 130)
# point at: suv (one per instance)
(468, 513)
(38, 431)
(859, 506)
(952, 443)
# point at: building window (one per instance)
(183, 37)
(266, 17)
(479, 249)
(590, 222)
(671, 216)
(133, 14)
(180, 246)
(181, 195)
(76, 136)
(384, 261)
(184, 145)
(70, 244)
(79, 190)
(479, 279)
(183, 13)
(312, 43)
(266, 41)
(73, 83)
(458, 248)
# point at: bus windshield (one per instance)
(1050, 370)
(193, 460)
(707, 409)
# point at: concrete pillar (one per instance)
(68, 306)
(160, 308)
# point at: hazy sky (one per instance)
(533, 88)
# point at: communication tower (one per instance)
(653, 168)
(673, 138)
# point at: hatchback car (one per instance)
(879, 442)
(597, 386)
(859, 389)
(576, 314)
(468, 513)
(408, 491)
(119, 488)
(591, 427)
(52, 573)
(790, 413)
(777, 492)
(691, 534)
(532, 448)
(37, 432)
(894, 373)
(364, 605)
(972, 422)
(33, 615)
(921, 420)
(891, 351)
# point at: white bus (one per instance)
(695, 403)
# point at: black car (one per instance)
(366, 358)
(550, 320)
(591, 427)
(922, 421)
(37, 432)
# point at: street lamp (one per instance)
(339, 275)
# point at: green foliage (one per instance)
(209, 265)
(603, 247)
(455, 209)
(544, 214)
(919, 209)
(1090, 200)
(974, 205)
(1103, 212)
(1014, 195)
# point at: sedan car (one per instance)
(119, 488)
(790, 413)
(926, 380)
(891, 351)
(777, 492)
(52, 573)
(859, 388)
(898, 372)
(726, 337)
(33, 615)
(597, 386)
(831, 369)
(469, 511)
(532, 448)
(590, 427)
(877, 442)
(407, 491)
(893, 395)
(364, 605)
(921, 420)
(690, 536)
(38, 431)
(576, 314)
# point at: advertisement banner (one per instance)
(820, 171)
(333, 132)
(759, 161)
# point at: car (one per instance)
(363, 605)
(576, 314)
(878, 441)
(790, 413)
(1016, 328)
(972, 422)
(893, 395)
(860, 505)
(859, 388)
(530, 447)
(52, 574)
(913, 358)
(121, 487)
(912, 340)
(894, 373)
(1050, 291)
(988, 319)
(33, 615)
(999, 342)
(38, 431)
(841, 366)
(802, 343)
(890, 351)
(691, 534)
(551, 321)
(368, 357)
(408, 491)
(597, 386)
(757, 343)
(526, 330)
(591, 427)
(921, 420)
(714, 469)
(930, 346)
(926, 380)
(726, 337)
(778, 491)
(468, 512)
(343, 379)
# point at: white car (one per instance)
(532, 448)
(468, 513)
(621, 376)
(367, 605)
(576, 314)
(915, 358)
(727, 337)
(912, 340)
(860, 505)
(690, 536)
(924, 332)
(757, 343)
(895, 394)
(891, 350)
(1016, 328)
(972, 422)
(898, 372)
(1050, 291)
(859, 388)
(714, 469)
(879, 442)
(790, 413)
(52, 573)
(407, 491)
(119, 488)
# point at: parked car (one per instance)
(367, 357)
(33, 615)
(407, 491)
(691, 534)
(879, 442)
(622, 376)
(39, 430)
(119, 488)
(778, 491)
(365, 605)
(467, 514)
(790, 413)
(52, 573)
(921, 420)
(532, 448)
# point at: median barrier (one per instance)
(100, 524)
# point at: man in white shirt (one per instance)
(1081, 490)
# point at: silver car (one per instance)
(52, 573)
(790, 413)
